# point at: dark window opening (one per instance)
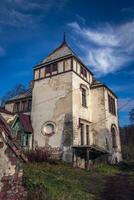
(84, 99)
(82, 133)
(17, 107)
(51, 68)
(29, 105)
(113, 131)
(107, 144)
(48, 69)
(111, 102)
(27, 140)
(83, 71)
(24, 106)
(54, 67)
(87, 134)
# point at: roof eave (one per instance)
(50, 62)
(103, 85)
(15, 100)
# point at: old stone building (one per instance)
(71, 110)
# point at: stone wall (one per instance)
(11, 184)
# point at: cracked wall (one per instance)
(52, 101)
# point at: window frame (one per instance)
(111, 105)
(83, 71)
(17, 107)
(114, 138)
(84, 97)
(87, 135)
(81, 134)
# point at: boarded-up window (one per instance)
(84, 98)
(82, 134)
(36, 74)
(111, 104)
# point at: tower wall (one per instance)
(52, 103)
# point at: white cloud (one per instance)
(21, 13)
(107, 48)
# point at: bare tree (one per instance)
(18, 89)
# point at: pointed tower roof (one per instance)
(62, 51)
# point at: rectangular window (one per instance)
(111, 104)
(48, 69)
(42, 72)
(82, 133)
(83, 71)
(17, 107)
(27, 140)
(24, 106)
(84, 100)
(29, 105)
(87, 134)
(54, 67)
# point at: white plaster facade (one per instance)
(58, 112)
(57, 99)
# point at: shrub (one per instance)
(38, 155)
(44, 154)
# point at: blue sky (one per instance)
(100, 32)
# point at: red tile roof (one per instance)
(25, 121)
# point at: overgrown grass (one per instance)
(63, 182)
(107, 169)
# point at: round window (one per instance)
(48, 128)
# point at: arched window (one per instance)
(113, 132)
